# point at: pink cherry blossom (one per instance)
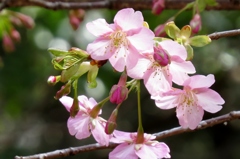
(82, 125)
(191, 102)
(122, 41)
(129, 149)
(159, 68)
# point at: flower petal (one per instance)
(98, 132)
(201, 81)
(127, 19)
(209, 100)
(67, 102)
(99, 27)
(79, 126)
(166, 102)
(123, 151)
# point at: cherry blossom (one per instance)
(191, 102)
(159, 68)
(82, 125)
(122, 41)
(128, 148)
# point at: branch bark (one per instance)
(114, 4)
(164, 134)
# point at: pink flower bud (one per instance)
(76, 17)
(196, 23)
(161, 56)
(118, 94)
(158, 6)
(8, 44)
(52, 80)
(26, 20)
(159, 30)
(111, 123)
(15, 35)
(65, 90)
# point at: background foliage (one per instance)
(32, 121)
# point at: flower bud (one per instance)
(15, 35)
(65, 90)
(161, 56)
(118, 94)
(159, 30)
(27, 21)
(111, 123)
(196, 23)
(76, 17)
(8, 44)
(52, 80)
(158, 6)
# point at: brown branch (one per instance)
(217, 35)
(115, 4)
(164, 134)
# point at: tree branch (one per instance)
(114, 4)
(217, 35)
(164, 134)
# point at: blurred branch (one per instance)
(114, 4)
(164, 134)
(217, 35)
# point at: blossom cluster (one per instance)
(132, 48)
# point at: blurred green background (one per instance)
(32, 121)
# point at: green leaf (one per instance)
(69, 73)
(57, 52)
(199, 41)
(211, 2)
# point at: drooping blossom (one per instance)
(191, 102)
(82, 125)
(129, 149)
(122, 41)
(159, 68)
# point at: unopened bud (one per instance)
(27, 21)
(76, 17)
(196, 23)
(158, 6)
(74, 108)
(111, 123)
(159, 30)
(8, 44)
(161, 56)
(15, 35)
(65, 90)
(118, 94)
(52, 80)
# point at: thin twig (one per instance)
(164, 134)
(217, 35)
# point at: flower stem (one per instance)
(140, 133)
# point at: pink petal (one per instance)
(174, 49)
(99, 27)
(189, 116)
(123, 151)
(118, 61)
(157, 81)
(98, 49)
(140, 68)
(200, 81)
(179, 70)
(166, 102)
(143, 40)
(159, 150)
(67, 102)
(98, 132)
(120, 137)
(209, 100)
(127, 19)
(79, 126)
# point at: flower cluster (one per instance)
(132, 48)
